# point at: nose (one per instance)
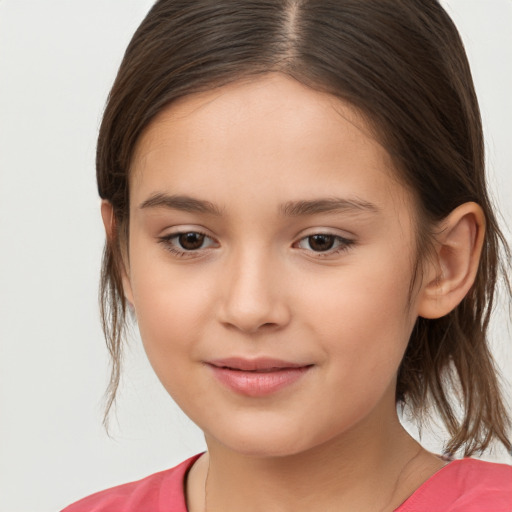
(252, 298)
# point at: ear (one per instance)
(109, 222)
(451, 271)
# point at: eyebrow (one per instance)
(288, 209)
(183, 203)
(327, 205)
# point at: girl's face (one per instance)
(271, 251)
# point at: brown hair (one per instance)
(403, 65)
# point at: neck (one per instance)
(360, 472)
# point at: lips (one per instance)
(257, 377)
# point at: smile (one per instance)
(257, 377)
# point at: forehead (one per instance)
(271, 129)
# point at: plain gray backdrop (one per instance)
(58, 59)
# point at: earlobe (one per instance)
(109, 222)
(452, 269)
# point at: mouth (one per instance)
(257, 377)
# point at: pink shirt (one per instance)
(465, 485)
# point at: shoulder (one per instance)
(475, 472)
(466, 485)
(151, 494)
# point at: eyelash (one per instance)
(166, 241)
(344, 245)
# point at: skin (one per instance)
(256, 287)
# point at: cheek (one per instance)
(169, 320)
(364, 315)
(364, 327)
(171, 302)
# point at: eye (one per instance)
(190, 241)
(186, 242)
(324, 243)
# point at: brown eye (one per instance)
(188, 244)
(325, 244)
(321, 242)
(191, 241)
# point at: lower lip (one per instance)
(257, 384)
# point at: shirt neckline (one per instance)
(403, 507)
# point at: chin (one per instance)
(263, 448)
(266, 441)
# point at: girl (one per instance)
(296, 214)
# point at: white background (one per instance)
(57, 62)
